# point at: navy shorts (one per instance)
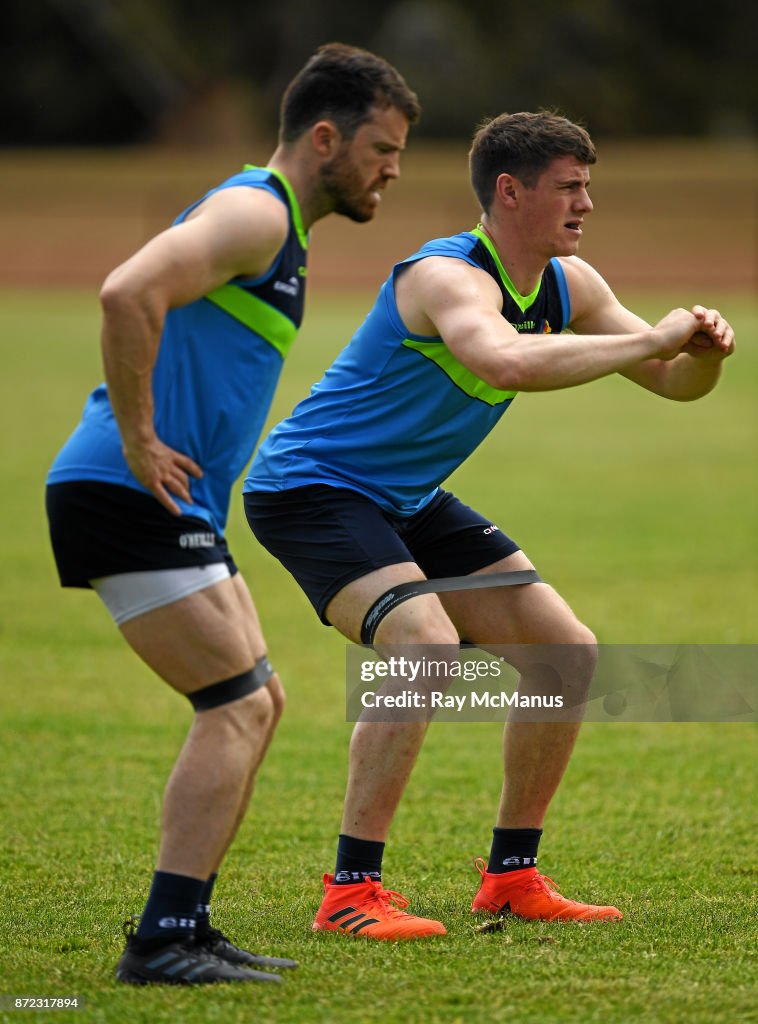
(329, 536)
(99, 529)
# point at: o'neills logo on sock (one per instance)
(519, 862)
(185, 923)
(353, 877)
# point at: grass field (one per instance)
(641, 512)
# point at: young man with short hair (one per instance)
(346, 491)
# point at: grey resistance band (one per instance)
(405, 591)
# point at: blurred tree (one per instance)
(115, 71)
(438, 46)
(78, 72)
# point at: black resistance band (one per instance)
(405, 591)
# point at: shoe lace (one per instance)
(537, 882)
(392, 903)
(543, 884)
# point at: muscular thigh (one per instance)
(418, 621)
(212, 634)
(530, 614)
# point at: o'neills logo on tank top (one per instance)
(534, 326)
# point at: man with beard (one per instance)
(195, 328)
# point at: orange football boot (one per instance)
(369, 910)
(528, 894)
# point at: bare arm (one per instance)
(236, 232)
(450, 298)
(692, 373)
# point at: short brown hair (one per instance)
(343, 84)
(523, 145)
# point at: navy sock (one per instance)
(203, 909)
(513, 849)
(356, 858)
(170, 910)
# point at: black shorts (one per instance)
(329, 536)
(99, 529)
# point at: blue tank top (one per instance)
(217, 369)
(396, 412)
